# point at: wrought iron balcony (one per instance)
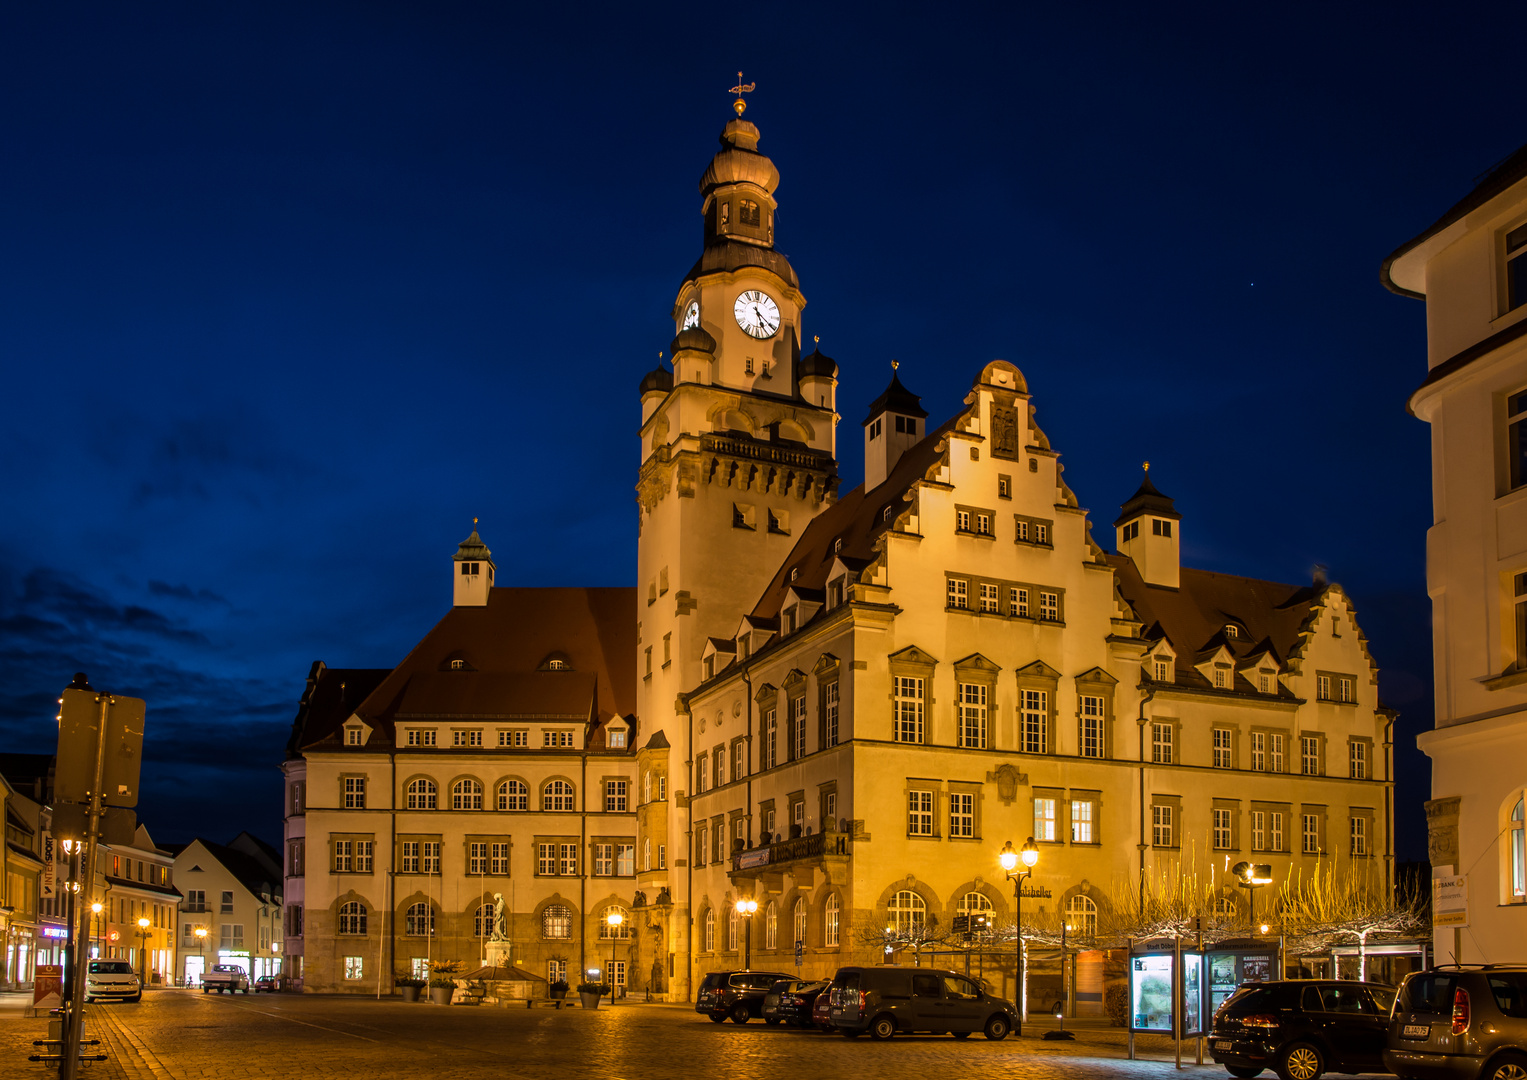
(797, 847)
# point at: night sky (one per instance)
(290, 293)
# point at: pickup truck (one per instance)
(225, 977)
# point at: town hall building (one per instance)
(837, 699)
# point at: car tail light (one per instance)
(1460, 1011)
(1261, 1021)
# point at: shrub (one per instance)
(1116, 1003)
(593, 988)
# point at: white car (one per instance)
(112, 980)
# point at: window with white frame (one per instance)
(771, 926)
(1310, 833)
(556, 971)
(513, 795)
(616, 796)
(1264, 682)
(830, 915)
(1358, 828)
(1516, 851)
(1083, 820)
(625, 860)
(1223, 748)
(972, 733)
(909, 709)
(1163, 822)
(421, 737)
(798, 727)
(355, 793)
(518, 738)
(906, 913)
(1275, 831)
(958, 593)
(829, 714)
(466, 795)
(557, 795)
(1357, 759)
(708, 941)
(419, 920)
(1090, 736)
(1161, 744)
(557, 738)
(1044, 819)
(1018, 602)
(962, 520)
(991, 597)
(798, 920)
(422, 795)
(1259, 830)
(1049, 606)
(467, 738)
(1082, 916)
(1275, 752)
(1344, 689)
(1162, 669)
(1309, 755)
(352, 736)
(1323, 687)
(732, 927)
(1221, 678)
(962, 815)
(1224, 827)
(344, 856)
(604, 860)
(498, 858)
(1034, 721)
(354, 966)
(920, 813)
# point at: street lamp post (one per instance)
(745, 908)
(614, 920)
(1028, 855)
(1251, 877)
(143, 925)
(96, 909)
(201, 949)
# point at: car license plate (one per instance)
(1418, 1031)
(1222, 1044)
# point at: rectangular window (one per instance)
(1049, 606)
(1519, 582)
(1004, 487)
(514, 738)
(909, 709)
(1323, 687)
(1163, 667)
(739, 766)
(429, 857)
(1020, 530)
(1223, 748)
(1162, 832)
(1161, 744)
(983, 524)
(797, 728)
(625, 860)
(973, 716)
(1044, 819)
(363, 850)
(829, 715)
(498, 859)
(421, 737)
(408, 861)
(1357, 759)
(1221, 678)
(700, 848)
(604, 860)
(466, 738)
(958, 593)
(1035, 721)
(615, 796)
(477, 858)
(352, 736)
(1309, 755)
(568, 861)
(1311, 833)
(343, 850)
(962, 815)
(1160, 527)
(557, 738)
(1516, 268)
(1081, 821)
(1344, 691)
(1018, 602)
(1275, 831)
(991, 598)
(769, 753)
(355, 793)
(1359, 829)
(1223, 826)
(1091, 737)
(1041, 533)
(662, 856)
(353, 967)
(546, 860)
(1264, 683)
(1258, 830)
(920, 813)
(1275, 753)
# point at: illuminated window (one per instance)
(962, 815)
(352, 918)
(972, 734)
(1222, 748)
(557, 795)
(422, 795)
(1091, 736)
(1044, 819)
(830, 916)
(557, 921)
(909, 710)
(906, 913)
(1082, 916)
(920, 813)
(466, 795)
(1517, 842)
(1035, 721)
(747, 212)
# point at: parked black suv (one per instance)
(1459, 1023)
(1302, 1029)
(735, 994)
(885, 1000)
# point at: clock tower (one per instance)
(738, 456)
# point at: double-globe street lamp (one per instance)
(1028, 855)
(746, 908)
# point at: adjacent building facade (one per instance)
(1471, 269)
(233, 896)
(840, 705)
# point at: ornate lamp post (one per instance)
(614, 920)
(143, 925)
(201, 948)
(746, 908)
(1028, 855)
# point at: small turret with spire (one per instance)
(894, 426)
(474, 574)
(1147, 530)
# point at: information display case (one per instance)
(1231, 968)
(1161, 995)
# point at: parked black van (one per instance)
(885, 1000)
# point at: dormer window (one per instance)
(557, 665)
(789, 621)
(710, 667)
(837, 545)
(795, 572)
(617, 738)
(834, 592)
(1163, 669)
(352, 736)
(458, 665)
(1232, 630)
(1264, 682)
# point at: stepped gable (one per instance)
(858, 519)
(503, 646)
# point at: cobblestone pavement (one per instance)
(179, 1035)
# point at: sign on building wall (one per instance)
(1450, 901)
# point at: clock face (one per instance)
(691, 316)
(757, 314)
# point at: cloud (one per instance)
(185, 592)
(81, 607)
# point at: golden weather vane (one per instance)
(740, 89)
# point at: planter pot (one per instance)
(410, 993)
(590, 1001)
(441, 995)
(557, 995)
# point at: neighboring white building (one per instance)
(233, 892)
(1470, 267)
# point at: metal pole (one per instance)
(1178, 983)
(747, 942)
(1018, 953)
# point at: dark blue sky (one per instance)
(290, 292)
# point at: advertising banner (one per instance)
(47, 987)
(1450, 901)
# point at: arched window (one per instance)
(1518, 838)
(830, 915)
(771, 926)
(621, 932)
(466, 795)
(647, 853)
(420, 920)
(513, 795)
(708, 943)
(482, 921)
(906, 913)
(662, 788)
(798, 922)
(1082, 916)
(352, 918)
(647, 786)
(557, 795)
(732, 919)
(557, 921)
(978, 904)
(422, 795)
